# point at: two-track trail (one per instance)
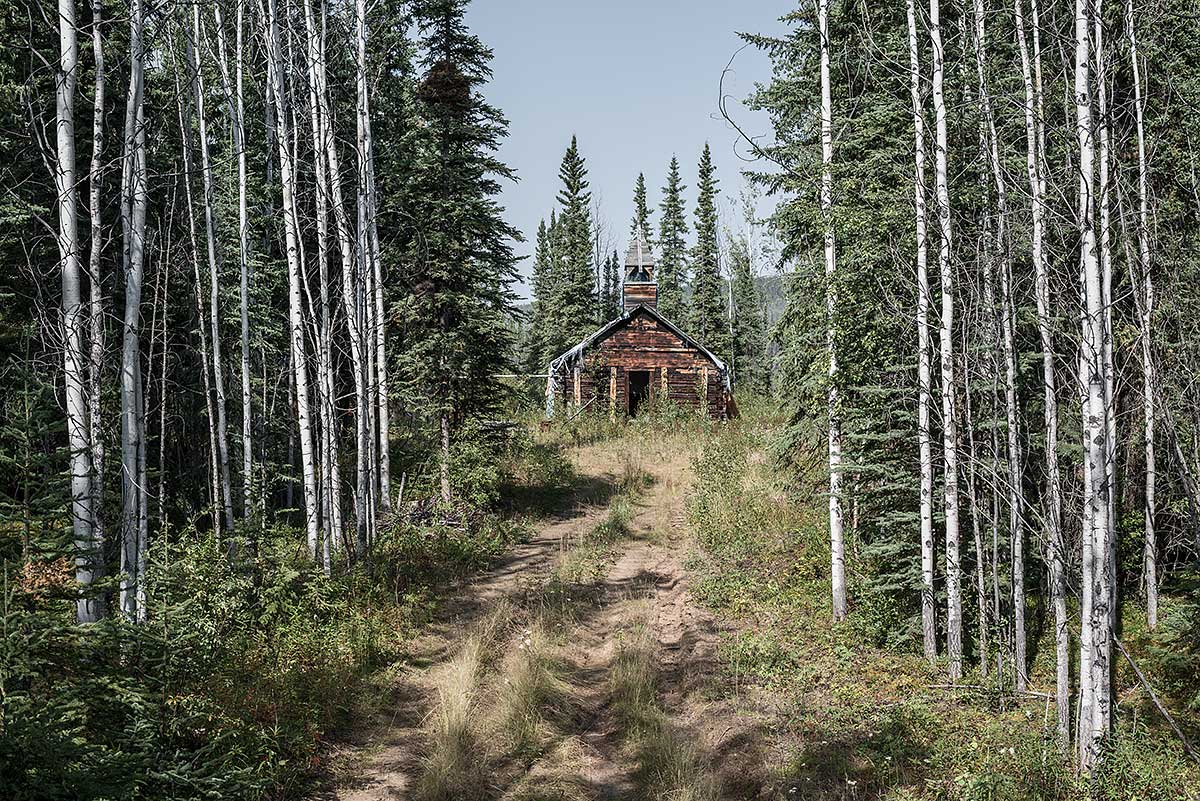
(641, 582)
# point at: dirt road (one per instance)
(638, 582)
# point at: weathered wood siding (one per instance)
(689, 378)
(645, 294)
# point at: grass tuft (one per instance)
(454, 767)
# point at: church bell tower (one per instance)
(640, 287)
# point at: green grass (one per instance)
(860, 720)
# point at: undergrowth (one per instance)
(864, 719)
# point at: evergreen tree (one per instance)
(708, 309)
(672, 237)
(462, 268)
(749, 321)
(612, 286)
(575, 288)
(641, 211)
(543, 292)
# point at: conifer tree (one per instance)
(672, 237)
(749, 324)
(708, 309)
(612, 286)
(543, 292)
(641, 211)
(575, 288)
(463, 270)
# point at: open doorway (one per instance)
(638, 390)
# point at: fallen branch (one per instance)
(989, 690)
(1187, 746)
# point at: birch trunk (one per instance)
(949, 412)
(1095, 621)
(1031, 75)
(96, 295)
(836, 528)
(1007, 325)
(924, 366)
(276, 66)
(214, 487)
(235, 109)
(1145, 320)
(87, 556)
(133, 424)
(214, 281)
(329, 456)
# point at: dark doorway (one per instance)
(638, 390)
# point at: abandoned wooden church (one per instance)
(639, 358)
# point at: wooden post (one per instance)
(704, 388)
(577, 400)
(664, 384)
(612, 394)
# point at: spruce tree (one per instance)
(672, 238)
(749, 321)
(708, 310)
(462, 269)
(575, 289)
(612, 286)
(641, 211)
(543, 292)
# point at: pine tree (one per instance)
(543, 292)
(672, 237)
(708, 321)
(575, 290)
(641, 212)
(463, 269)
(749, 322)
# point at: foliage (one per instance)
(672, 240)
(708, 320)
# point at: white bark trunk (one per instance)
(235, 108)
(276, 66)
(924, 365)
(96, 298)
(1095, 614)
(133, 424)
(210, 230)
(949, 412)
(837, 541)
(1145, 320)
(74, 363)
(1052, 503)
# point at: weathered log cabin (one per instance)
(638, 358)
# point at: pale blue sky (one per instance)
(635, 81)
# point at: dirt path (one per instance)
(644, 583)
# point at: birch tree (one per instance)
(836, 529)
(924, 366)
(133, 424)
(946, 337)
(66, 78)
(1031, 74)
(1145, 321)
(210, 231)
(1095, 649)
(275, 68)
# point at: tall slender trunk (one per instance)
(1007, 323)
(329, 475)
(235, 109)
(185, 128)
(214, 281)
(949, 411)
(1095, 661)
(1145, 322)
(133, 423)
(837, 541)
(976, 523)
(276, 65)
(924, 365)
(87, 556)
(96, 296)
(1052, 502)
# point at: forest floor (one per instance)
(599, 587)
(663, 635)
